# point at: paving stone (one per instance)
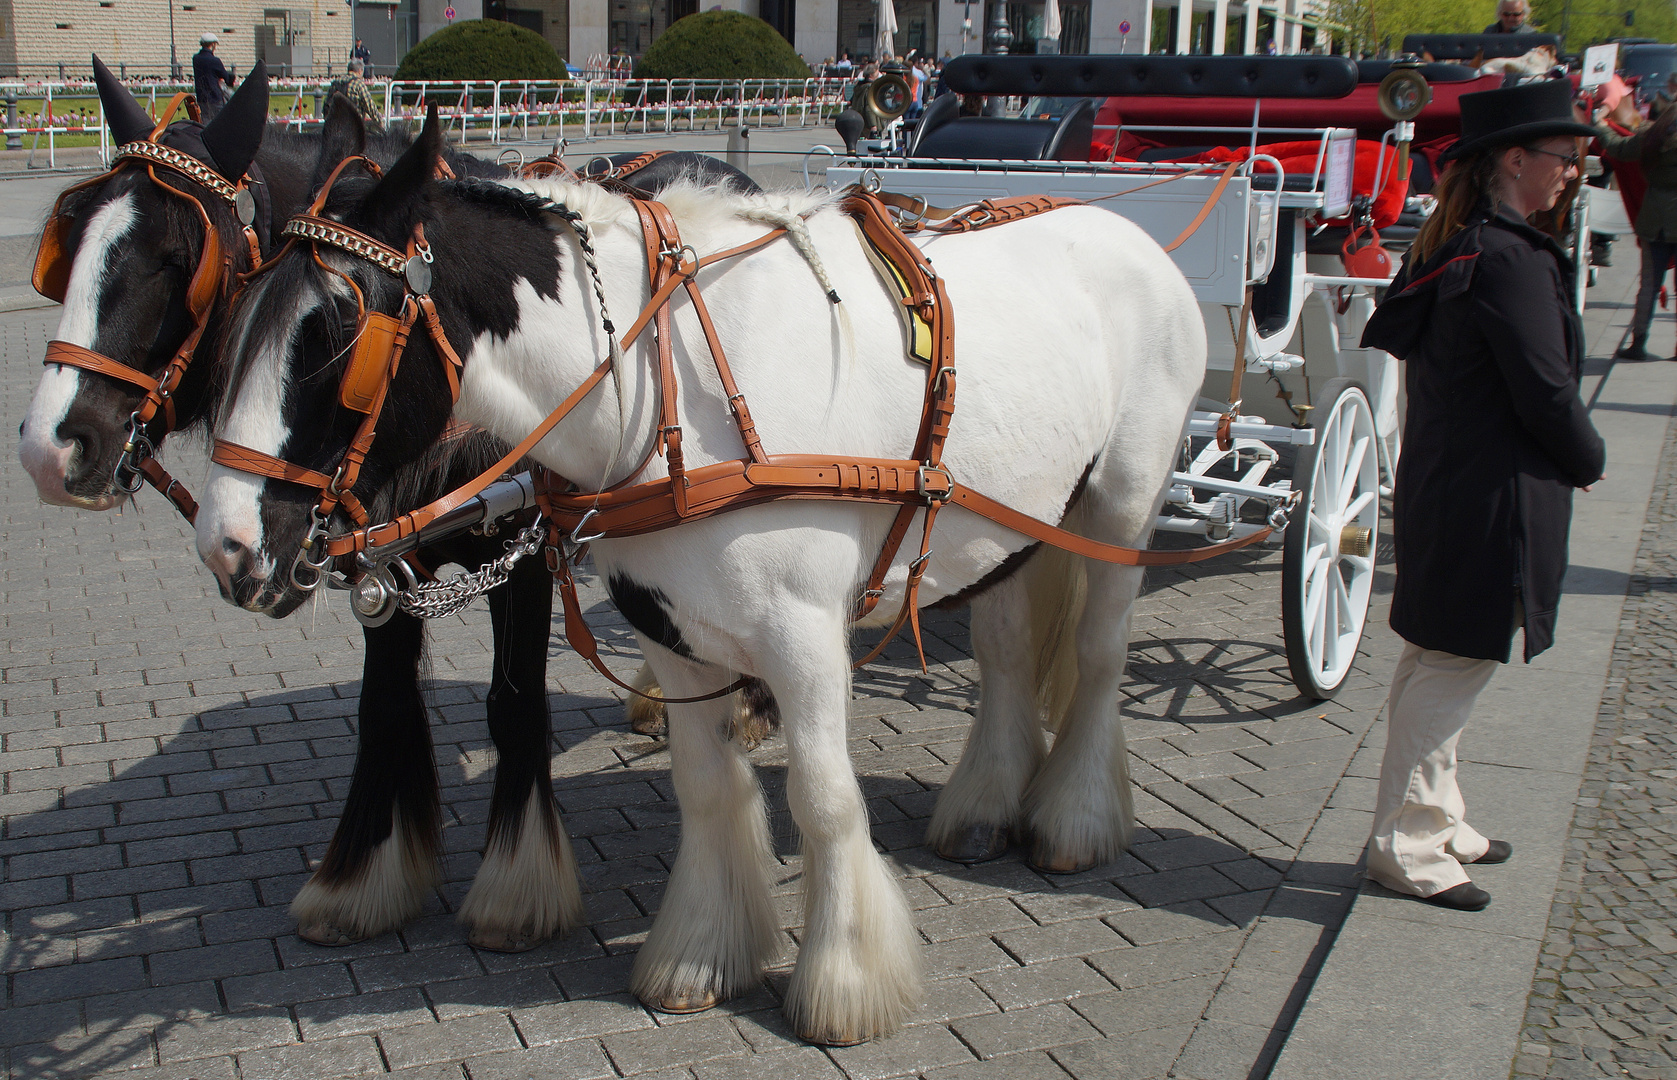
(563, 1021)
(910, 1050)
(352, 1056)
(1035, 1028)
(1605, 975)
(210, 1036)
(572, 1061)
(1040, 984)
(1141, 1055)
(1159, 1005)
(448, 1040)
(686, 1043)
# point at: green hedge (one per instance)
(482, 49)
(721, 45)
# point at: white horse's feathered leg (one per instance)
(1078, 811)
(716, 929)
(858, 972)
(979, 805)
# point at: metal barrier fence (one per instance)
(511, 110)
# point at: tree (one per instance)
(721, 45)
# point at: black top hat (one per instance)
(1516, 115)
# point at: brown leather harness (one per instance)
(215, 269)
(918, 482)
(53, 263)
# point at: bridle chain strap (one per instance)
(185, 164)
(326, 231)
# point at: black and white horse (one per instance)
(133, 249)
(1080, 350)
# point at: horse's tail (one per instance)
(1057, 587)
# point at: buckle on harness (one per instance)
(932, 494)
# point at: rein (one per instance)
(138, 463)
(919, 482)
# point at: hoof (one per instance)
(330, 935)
(1052, 862)
(683, 1004)
(827, 1039)
(649, 723)
(976, 844)
(504, 941)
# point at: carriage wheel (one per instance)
(1327, 567)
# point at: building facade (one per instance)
(47, 38)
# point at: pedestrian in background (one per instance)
(365, 55)
(1495, 440)
(1653, 145)
(1511, 18)
(354, 87)
(208, 74)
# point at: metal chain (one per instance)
(440, 599)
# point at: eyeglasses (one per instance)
(1570, 159)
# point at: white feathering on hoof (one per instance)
(527, 886)
(390, 889)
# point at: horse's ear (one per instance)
(390, 207)
(343, 135)
(127, 120)
(232, 138)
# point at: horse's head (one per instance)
(139, 257)
(310, 342)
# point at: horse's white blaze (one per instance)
(229, 515)
(45, 456)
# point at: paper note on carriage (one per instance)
(1600, 61)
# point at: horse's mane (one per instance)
(698, 210)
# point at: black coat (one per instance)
(1496, 437)
(208, 73)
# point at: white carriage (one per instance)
(1273, 311)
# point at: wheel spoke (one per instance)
(1353, 466)
(1357, 505)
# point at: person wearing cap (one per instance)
(1511, 16)
(1496, 439)
(1653, 146)
(208, 73)
(354, 87)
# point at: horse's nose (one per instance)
(48, 462)
(86, 447)
(231, 562)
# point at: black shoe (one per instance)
(1633, 351)
(1464, 897)
(1497, 852)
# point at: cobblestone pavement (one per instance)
(173, 768)
(1604, 997)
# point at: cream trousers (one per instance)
(1421, 837)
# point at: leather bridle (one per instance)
(915, 484)
(379, 343)
(137, 463)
